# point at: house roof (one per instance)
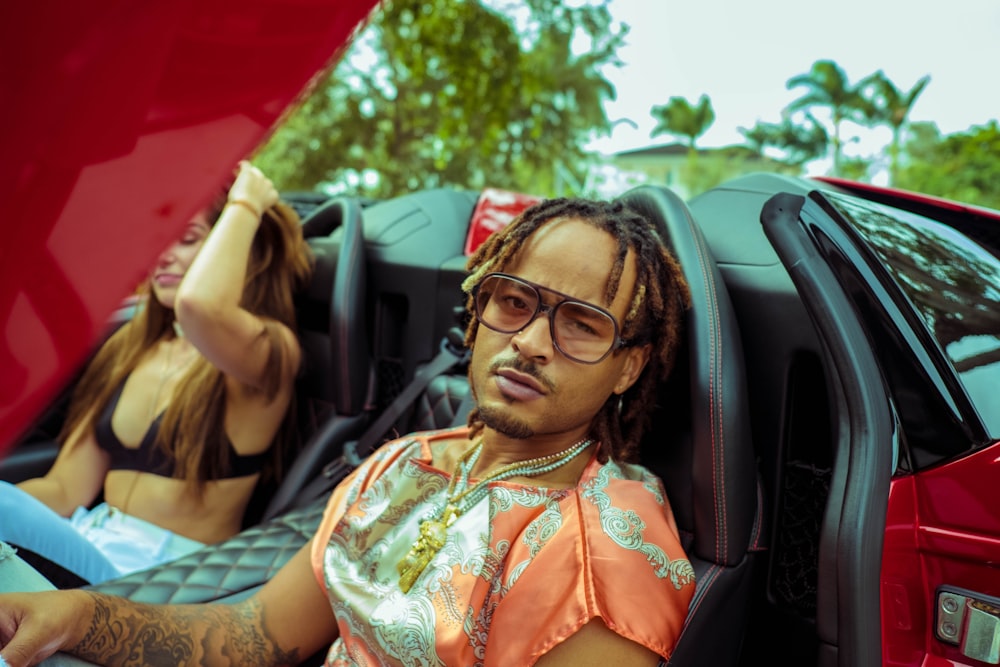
(670, 150)
(654, 151)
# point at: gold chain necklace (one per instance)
(461, 496)
(165, 375)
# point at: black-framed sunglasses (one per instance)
(581, 331)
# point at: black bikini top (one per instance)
(148, 457)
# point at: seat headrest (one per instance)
(325, 218)
(332, 317)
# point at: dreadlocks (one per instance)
(655, 314)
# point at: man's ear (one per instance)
(635, 360)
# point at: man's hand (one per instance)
(33, 626)
(288, 620)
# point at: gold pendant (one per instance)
(433, 533)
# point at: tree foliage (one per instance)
(827, 86)
(796, 143)
(964, 166)
(682, 119)
(891, 106)
(875, 100)
(441, 93)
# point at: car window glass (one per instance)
(952, 282)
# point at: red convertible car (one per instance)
(830, 440)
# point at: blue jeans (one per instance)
(96, 544)
(18, 576)
(27, 522)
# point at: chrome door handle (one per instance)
(970, 621)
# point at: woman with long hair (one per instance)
(186, 407)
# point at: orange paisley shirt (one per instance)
(521, 570)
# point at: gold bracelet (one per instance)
(245, 204)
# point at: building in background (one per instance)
(688, 172)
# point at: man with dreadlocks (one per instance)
(525, 538)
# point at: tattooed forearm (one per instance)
(124, 633)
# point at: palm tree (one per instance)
(799, 142)
(827, 86)
(679, 118)
(891, 107)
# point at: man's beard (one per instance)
(504, 423)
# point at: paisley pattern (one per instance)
(627, 529)
(520, 571)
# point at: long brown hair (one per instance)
(655, 315)
(192, 429)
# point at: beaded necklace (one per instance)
(434, 532)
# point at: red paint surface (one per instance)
(906, 195)
(942, 529)
(119, 119)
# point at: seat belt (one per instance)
(452, 353)
(464, 408)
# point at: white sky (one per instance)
(742, 52)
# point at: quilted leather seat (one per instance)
(229, 570)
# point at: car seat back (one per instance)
(700, 445)
(334, 387)
(416, 261)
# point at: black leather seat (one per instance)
(336, 382)
(700, 445)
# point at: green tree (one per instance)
(891, 106)
(797, 143)
(682, 119)
(441, 93)
(964, 166)
(719, 165)
(828, 87)
(855, 168)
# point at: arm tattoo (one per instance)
(124, 633)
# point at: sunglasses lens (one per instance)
(582, 332)
(506, 305)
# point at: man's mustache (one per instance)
(523, 366)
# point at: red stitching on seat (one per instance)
(716, 404)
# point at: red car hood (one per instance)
(119, 120)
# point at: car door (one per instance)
(906, 308)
